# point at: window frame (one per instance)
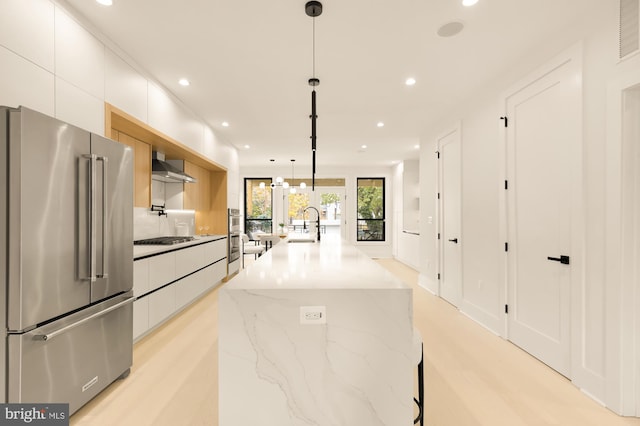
(382, 221)
(268, 181)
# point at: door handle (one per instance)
(83, 321)
(454, 240)
(92, 217)
(565, 260)
(105, 230)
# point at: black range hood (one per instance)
(166, 172)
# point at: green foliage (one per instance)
(260, 203)
(328, 198)
(370, 202)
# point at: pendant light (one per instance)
(313, 9)
(292, 187)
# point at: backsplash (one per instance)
(148, 224)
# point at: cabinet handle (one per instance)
(454, 240)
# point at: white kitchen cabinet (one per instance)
(140, 317)
(219, 273)
(27, 28)
(162, 269)
(24, 83)
(191, 270)
(190, 259)
(80, 108)
(124, 87)
(216, 250)
(162, 304)
(79, 56)
(172, 119)
(140, 277)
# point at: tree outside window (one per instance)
(371, 214)
(258, 206)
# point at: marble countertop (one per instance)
(149, 250)
(324, 265)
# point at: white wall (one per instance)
(482, 158)
(373, 249)
(51, 63)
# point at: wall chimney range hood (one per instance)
(164, 171)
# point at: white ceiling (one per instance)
(249, 62)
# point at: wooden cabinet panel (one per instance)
(142, 168)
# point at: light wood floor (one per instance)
(472, 377)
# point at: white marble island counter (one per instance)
(315, 334)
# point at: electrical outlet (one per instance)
(313, 315)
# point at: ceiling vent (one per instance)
(629, 27)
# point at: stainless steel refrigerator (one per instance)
(66, 260)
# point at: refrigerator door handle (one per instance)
(84, 320)
(92, 217)
(104, 218)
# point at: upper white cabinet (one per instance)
(78, 107)
(124, 87)
(79, 57)
(24, 83)
(26, 28)
(173, 120)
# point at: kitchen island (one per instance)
(315, 334)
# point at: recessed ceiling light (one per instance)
(450, 29)
(416, 146)
(363, 147)
(105, 2)
(410, 81)
(380, 124)
(247, 146)
(184, 82)
(469, 2)
(225, 124)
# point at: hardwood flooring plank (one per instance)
(472, 376)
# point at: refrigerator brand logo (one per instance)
(35, 414)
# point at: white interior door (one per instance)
(542, 135)
(449, 215)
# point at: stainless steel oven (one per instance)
(234, 236)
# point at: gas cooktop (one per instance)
(163, 241)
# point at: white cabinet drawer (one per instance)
(162, 304)
(190, 259)
(140, 317)
(216, 250)
(140, 277)
(162, 270)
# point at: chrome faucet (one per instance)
(317, 221)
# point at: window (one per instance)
(258, 206)
(371, 209)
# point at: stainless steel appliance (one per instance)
(66, 260)
(233, 238)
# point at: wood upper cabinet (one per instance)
(142, 167)
(208, 197)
